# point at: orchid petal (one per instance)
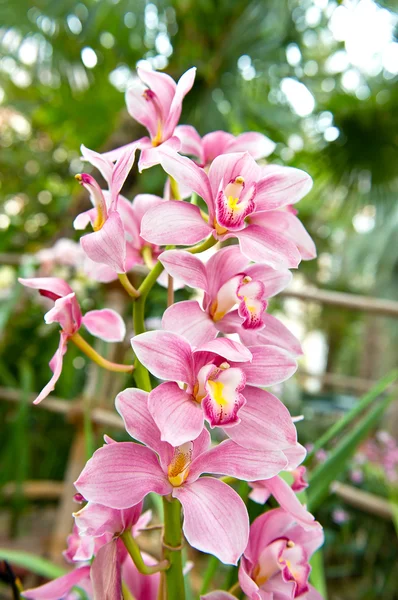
(273, 281)
(191, 142)
(291, 227)
(56, 286)
(167, 355)
(56, 367)
(189, 320)
(121, 170)
(270, 365)
(288, 500)
(256, 144)
(265, 423)
(184, 85)
(132, 406)
(174, 222)
(228, 349)
(264, 245)
(281, 186)
(122, 474)
(227, 167)
(222, 266)
(99, 161)
(230, 459)
(84, 218)
(105, 324)
(107, 245)
(178, 416)
(59, 587)
(187, 172)
(185, 266)
(207, 504)
(274, 333)
(142, 587)
(106, 573)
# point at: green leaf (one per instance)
(337, 461)
(393, 499)
(359, 408)
(317, 576)
(32, 563)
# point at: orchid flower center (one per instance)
(252, 302)
(233, 204)
(150, 96)
(245, 292)
(218, 390)
(97, 198)
(178, 469)
(286, 557)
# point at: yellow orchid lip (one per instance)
(178, 469)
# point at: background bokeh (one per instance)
(319, 78)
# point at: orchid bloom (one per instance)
(105, 324)
(213, 144)
(235, 297)
(107, 244)
(243, 201)
(275, 564)
(285, 495)
(216, 384)
(122, 474)
(155, 101)
(96, 536)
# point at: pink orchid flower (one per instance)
(96, 536)
(275, 564)
(155, 101)
(217, 379)
(228, 281)
(107, 244)
(122, 474)
(243, 201)
(207, 148)
(105, 324)
(285, 495)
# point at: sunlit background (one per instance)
(319, 78)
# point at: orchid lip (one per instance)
(178, 469)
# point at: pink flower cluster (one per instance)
(213, 357)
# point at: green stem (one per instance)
(235, 588)
(172, 540)
(211, 241)
(127, 595)
(89, 351)
(211, 570)
(128, 286)
(134, 550)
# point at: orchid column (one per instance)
(200, 377)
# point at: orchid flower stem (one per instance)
(175, 190)
(235, 588)
(170, 291)
(146, 254)
(134, 550)
(127, 595)
(211, 241)
(194, 198)
(172, 539)
(130, 289)
(89, 351)
(229, 480)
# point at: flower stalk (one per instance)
(89, 351)
(134, 550)
(172, 546)
(128, 286)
